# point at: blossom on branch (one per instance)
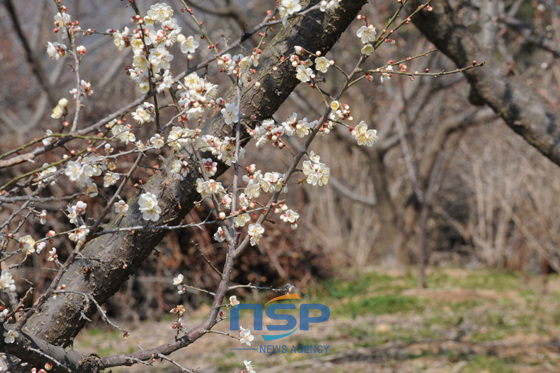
(10, 336)
(364, 135)
(246, 336)
(315, 171)
(7, 281)
(255, 231)
(366, 33)
(27, 244)
(148, 205)
(230, 113)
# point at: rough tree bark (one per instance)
(112, 258)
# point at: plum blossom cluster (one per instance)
(289, 8)
(7, 282)
(223, 149)
(178, 281)
(82, 170)
(150, 42)
(148, 205)
(144, 113)
(196, 95)
(304, 71)
(364, 135)
(269, 131)
(79, 234)
(74, 212)
(316, 173)
(239, 66)
(83, 90)
(121, 131)
(367, 35)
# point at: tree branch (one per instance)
(524, 111)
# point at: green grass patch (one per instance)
(490, 363)
(385, 304)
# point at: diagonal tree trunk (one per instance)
(114, 257)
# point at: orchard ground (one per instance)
(467, 321)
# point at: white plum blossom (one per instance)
(207, 188)
(144, 113)
(43, 217)
(253, 189)
(364, 135)
(209, 166)
(58, 111)
(121, 39)
(83, 90)
(240, 220)
(47, 175)
(76, 172)
(287, 8)
(121, 132)
(52, 255)
(329, 5)
(291, 6)
(40, 246)
(157, 141)
(249, 367)
(219, 236)
(289, 216)
(188, 44)
(56, 50)
(178, 280)
(91, 189)
(322, 64)
(366, 33)
(179, 138)
(4, 315)
(230, 113)
(367, 49)
(386, 75)
(179, 169)
(79, 234)
(160, 12)
(27, 244)
(62, 19)
(303, 73)
(121, 207)
(11, 335)
(272, 182)
(246, 336)
(148, 205)
(233, 300)
(75, 211)
(166, 81)
(110, 178)
(255, 231)
(7, 281)
(160, 58)
(303, 127)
